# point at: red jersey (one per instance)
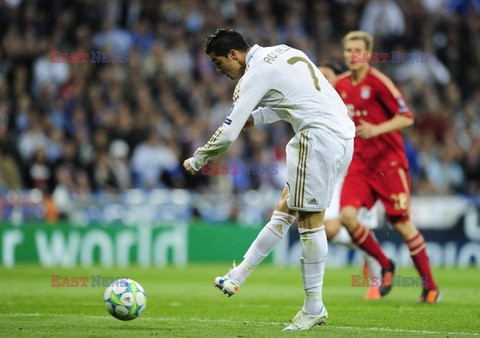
(375, 99)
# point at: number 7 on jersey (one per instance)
(296, 59)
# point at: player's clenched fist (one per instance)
(188, 167)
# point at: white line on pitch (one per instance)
(200, 320)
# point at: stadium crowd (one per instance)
(76, 128)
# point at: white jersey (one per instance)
(283, 80)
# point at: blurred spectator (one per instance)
(382, 18)
(47, 75)
(119, 152)
(434, 6)
(112, 38)
(150, 160)
(471, 168)
(63, 193)
(9, 173)
(39, 172)
(431, 70)
(102, 173)
(32, 139)
(445, 172)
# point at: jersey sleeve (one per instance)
(252, 88)
(391, 97)
(264, 115)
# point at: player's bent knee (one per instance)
(310, 220)
(348, 217)
(406, 229)
(396, 219)
(332, 227)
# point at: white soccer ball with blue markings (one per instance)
(125, 299)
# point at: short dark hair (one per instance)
(225, 39)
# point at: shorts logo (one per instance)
(228, 121)
(312, 201)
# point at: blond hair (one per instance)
(360, 35)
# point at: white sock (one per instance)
(314, 255)
(269, 236)
(343, 238)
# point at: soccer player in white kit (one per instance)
(283, 80)
(335, 232)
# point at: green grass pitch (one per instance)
(184, 303)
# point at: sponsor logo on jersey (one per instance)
(365, 92)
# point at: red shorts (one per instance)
(392, 187)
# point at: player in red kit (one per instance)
(379, 169)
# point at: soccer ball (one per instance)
(125, 299)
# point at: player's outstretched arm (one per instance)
(252, 90)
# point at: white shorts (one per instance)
(369, 218)
(316, 159)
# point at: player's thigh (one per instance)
(356, 191)
(332, 227)
(393, 189)
(315, 160)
